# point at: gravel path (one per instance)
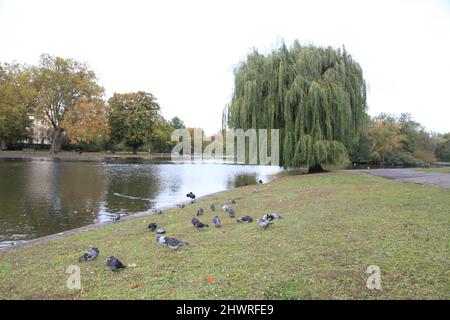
(412, 175)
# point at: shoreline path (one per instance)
(420, 176)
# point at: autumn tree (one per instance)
(87, 121)
(62, 85)
(17, 100)
(384, 136)
(132, 118)
(315, 96)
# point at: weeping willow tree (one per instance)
(315, 96)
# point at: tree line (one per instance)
(62, 96)
(315, 96)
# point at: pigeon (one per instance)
(276, 216)
(216, 221)
(231, 213)
(225, 208)
(264, 223)
(198, 224)
(181, 206)
(114, 264)
(213, 207)
(272, 216)
(89, 255)
(200, 212)
(117, 217)
(232, 201)
(152, 226)
(157, 211)
(174, 244)
(192, 201)
(260, 181)
(161, 239)
(194, 221)
(245, 219)
(190, 195)
(160, 231)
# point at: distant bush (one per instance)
(399, 158)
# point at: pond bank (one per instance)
(91, 156)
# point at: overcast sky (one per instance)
(184, 52)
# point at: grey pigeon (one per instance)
(216, 221)
(117, 217)
(198, 224)
(272, 216)
(161, 239)
(152, 226)
(231, 213)
(245, 219)
(213, 207)
(114, 264)
(200, 211)
(276, 216)
(160, 231)
(174, 244)
(157, 211)
(181, 206)
(89, 255)
(264, 223)
(194, 221)
(232, 201)
(225, 208)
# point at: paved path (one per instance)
(413, 175)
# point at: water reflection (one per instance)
(43, 196)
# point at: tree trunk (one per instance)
(57, 140)
(3, 144)
(135, 149)
(316, 169)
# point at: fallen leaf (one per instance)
(134, 286)
(211, 279)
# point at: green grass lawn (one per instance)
(334, 226)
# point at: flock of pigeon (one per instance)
(115, 264)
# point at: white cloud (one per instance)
(184, 51)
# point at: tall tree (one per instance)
(315, 96)
(61, 85)
(132, 118)
(17, 99)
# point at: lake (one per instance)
(43, 196)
